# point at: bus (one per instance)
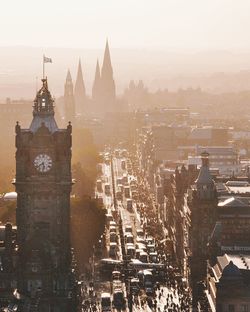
(119, 195)
(129, 204)
(99, 185)
(109, 265)
(116, 275)
(123, 164)
(128, 229)
(153, 257)
(112, 237)
(147, 278)
(106, 301)
(143, 257)
(112, 249)
(112, 229)
(118, 299)
(130, 250)
(107, 189)
(129, 238)
(127, 191)
(124, 179)
(134, 286)
(140, 233)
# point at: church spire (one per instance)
(97, 81)
(107, 66)
(69, 102)
(80, 92)
(68, 78)
(108, 84)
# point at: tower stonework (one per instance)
(203, 218)
(43, 185)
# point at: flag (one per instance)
(47, 59)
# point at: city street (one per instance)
(129, 248)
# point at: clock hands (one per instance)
(43, 162)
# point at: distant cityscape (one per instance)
(125, 201)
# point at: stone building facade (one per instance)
(38, 260)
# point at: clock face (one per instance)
(43, 163)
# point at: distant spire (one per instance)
(68, 87)
(107, 66)
(69, 102)
(107, 81)
(97, 82)
(68, 78)
(80, 92)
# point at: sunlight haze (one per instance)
(173, 24)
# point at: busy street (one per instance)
(131, 266)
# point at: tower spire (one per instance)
(69, 102)
(97, 82)
(43, 109)
(68, 77)
(205, 183)
(107, 66)
(43, 103)
(80, 92)
(107, 80)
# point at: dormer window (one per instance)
(43, 103)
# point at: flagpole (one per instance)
(43, 67)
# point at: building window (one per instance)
(231, 308)
(244, 308)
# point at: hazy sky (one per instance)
(172, 24)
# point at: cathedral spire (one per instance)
(69, 102)
(107, 66)
(68, 78)
(80, 92)
(97, 81)
(107, 80)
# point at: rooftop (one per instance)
(234, 202)
(230, 262)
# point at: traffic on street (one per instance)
(131, 266)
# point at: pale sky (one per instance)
(155, 24)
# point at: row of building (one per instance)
(205, 208)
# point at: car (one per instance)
(149, 291)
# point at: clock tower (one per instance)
(43, 185)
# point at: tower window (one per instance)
(43, 103)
